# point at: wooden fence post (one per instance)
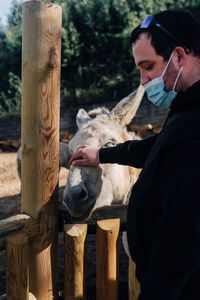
(133, 284)
(41, 52)
(17, 267)
(75, 261)
(107, 276)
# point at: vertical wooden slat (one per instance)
(17, 267)
(75, 261)
(107, 259)
(134, 286)
(41, 55)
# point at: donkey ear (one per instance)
(82, 118)
(126, 109)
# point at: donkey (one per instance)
(88, 188)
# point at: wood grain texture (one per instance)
(13, 224)
(75, 261)
(41, 56)
(107, 275)
(41, 48)
(134, 286)
(17, 269)
(16, 224)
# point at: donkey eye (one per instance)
(109, 144)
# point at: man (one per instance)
(163, 220)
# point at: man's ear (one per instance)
(181, 56)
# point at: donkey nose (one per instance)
(79, 193)
(76, 201)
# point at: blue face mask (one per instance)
(155, 89)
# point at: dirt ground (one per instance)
(10, 205)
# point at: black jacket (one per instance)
(163, 220)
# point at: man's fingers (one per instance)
(77, 155)
(81, 147)
(71, 160)
(80, 162)
(85, 155)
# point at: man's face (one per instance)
(150, 64)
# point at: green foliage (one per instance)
(97, 62)
(95, 46)
(10, 68)
(14, 38)
(10, 101)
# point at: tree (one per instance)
(10, 68)
(94, 43)
(97, 62)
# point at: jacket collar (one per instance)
(187, 99)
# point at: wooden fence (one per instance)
(17, 232)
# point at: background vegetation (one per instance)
(97, 63)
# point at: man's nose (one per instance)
(144, 78)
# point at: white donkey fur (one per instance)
(88, 188)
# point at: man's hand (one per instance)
(85, 155)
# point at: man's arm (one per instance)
(131, 153)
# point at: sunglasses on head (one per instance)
(149, 22)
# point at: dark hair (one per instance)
(179, 22)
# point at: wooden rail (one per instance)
(75, 286)
(17, 224)
(101, 213)
(30, 226)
